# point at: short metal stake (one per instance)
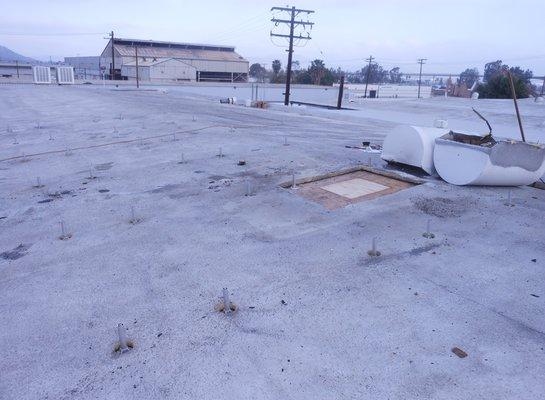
(220, 154)
(509, 199)
(374, 252)
(182, 159)
(64, 234)
(194, 118)
(50, 136)
(293, 183)
(428, 233)
(15, 141)
(122, 336)
(226, 301)
(38, 183)
(286, 141)
(248, 188)
(174, 137)
(134, 220)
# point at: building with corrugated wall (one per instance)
(167, 70)
(168, 61)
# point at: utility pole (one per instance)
(294, 12)
(370, 59)
(17, 67)
(136, 57)
(421, 61)
(341, 90)
(112, 71)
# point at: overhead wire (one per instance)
(242, 26)
(51, 34)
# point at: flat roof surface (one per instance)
(317, 317)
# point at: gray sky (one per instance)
(451, 34)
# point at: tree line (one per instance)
(495, 83)
(318, 74)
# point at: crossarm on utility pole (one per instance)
(290, 8)
(288, 36)
(285, 21)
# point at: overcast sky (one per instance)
(451, 34)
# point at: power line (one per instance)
(292, 23)
(249, 25)
(242, 24)
(51, 34)
(249, 30)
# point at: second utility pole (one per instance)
(370, 59)
(420, 61)
(112, 75)
(136, 57)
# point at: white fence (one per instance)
(65, 75)
(41, 74)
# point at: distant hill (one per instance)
(8, 55)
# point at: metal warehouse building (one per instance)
(172, 62)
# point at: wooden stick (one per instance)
(516, 104)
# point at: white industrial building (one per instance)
(173, 62)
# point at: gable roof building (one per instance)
(194, 62)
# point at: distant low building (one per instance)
(173, 62)
(15, 70)
(86, 67)
(390, 91)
